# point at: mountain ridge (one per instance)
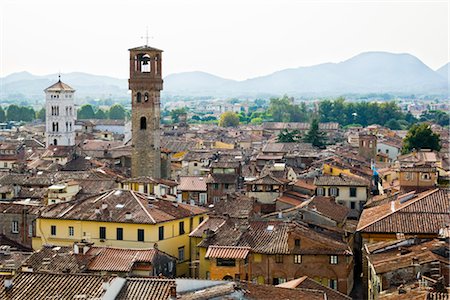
(367, 72)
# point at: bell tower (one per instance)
(145, 84)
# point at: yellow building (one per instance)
(64, 191)
(123, 219)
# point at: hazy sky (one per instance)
(236, 39)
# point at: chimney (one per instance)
(280, 215)
(173, 291)
(8, 282)
(128, 216)
(97, 210)
(104, 205)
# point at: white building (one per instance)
(60, 115)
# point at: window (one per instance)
(297, 242)
(71, 231)
(426, 176)
(146, 97)
(227, 186)
(333, 259)
(387, 151)
(334, 191)
(102, 233)
(15, 226)
(409, 176)
(202, 198)
(333, 284)
(216, 199)
(181, 228)
(278, 258)
(297, 259)
(320, 191)
(216, 186)
(207, 275)
(5, 164)
(119, 234)
(143, 123)
(140, 233)
(138, 97)
(352, 192)
(53, 230)
(30, 230)
(200, 219)
(181, 253)
(223, 262)
(161, 233)
(352, 204)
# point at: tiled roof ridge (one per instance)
(143, 207)
(391, 212)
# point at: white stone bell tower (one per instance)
(60, 115)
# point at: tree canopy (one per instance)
(284, 110)
(101, 114)
(314, 135)
(2, 115)
(420, 136)
(117, 112)
(20, 113)
(287, 136)
(86, 112)
(229, 119)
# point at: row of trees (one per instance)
(19, 113)
(345, 113)
(115, 112)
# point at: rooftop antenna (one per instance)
(146, 37)
(59, 76)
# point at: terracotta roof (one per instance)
(303, 184)
(59, 86)
(307, 283)
(267, 180)
(271, 237)
(57, 259)
(328, 207)
(192, 183)
(254, 291)
(145, 289)
(341, 180)
(235, 206)
(226, 252)
(53, 286)
(117, 259)
(426, 212)
(143, 209)
(401, 254)
(222, 178)
(289, 200)
(212, 223)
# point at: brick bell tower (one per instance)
(145, 84)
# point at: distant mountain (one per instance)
(28, 86)
(369, 72)
(443, 71)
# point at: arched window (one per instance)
(55, 142)
(143, 123)
(146, 97)
(138, 97)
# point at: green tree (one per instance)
(86, 112)
(314, 135)
(117, 112)
(13, 113)
(41, 114)
(229, 119)
(287, 136)
(256, 121)
(2, 115)
(101, 114)
(175, 114)
(393, 124)
(420, 136)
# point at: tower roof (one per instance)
(59, 86)
(145, 48)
